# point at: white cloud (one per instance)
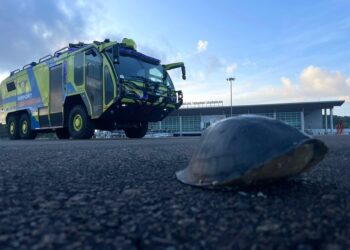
(201, 76)
(63, 6)
(248, 62)
(3, 75)
(55, 23)
(287, 84)
(313, 84)
(202, 46)
(178, 57)
(323, 82)
(40, 30)
(230, 69)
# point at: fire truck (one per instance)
(102, 85)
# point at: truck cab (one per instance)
(145, 90)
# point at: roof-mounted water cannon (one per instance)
(126, 42)
(129, 43)
(177, 65)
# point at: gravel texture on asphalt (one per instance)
(122, 194)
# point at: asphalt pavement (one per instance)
(122, 194)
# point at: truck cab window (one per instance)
(109, 88)
(169, 82)
(93, 80)
(10, 86)
(79, 69)
(94, 66)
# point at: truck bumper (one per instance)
(129, 110)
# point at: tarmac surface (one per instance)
(122, 194)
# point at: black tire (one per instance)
(24, 128)
(139, 132)
(80, 125)
(62, 133)
(12, 127)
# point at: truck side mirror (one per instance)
(115, 53)
(177, 65)
(183, 69)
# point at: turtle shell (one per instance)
(249, 149)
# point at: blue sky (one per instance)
(279, 51)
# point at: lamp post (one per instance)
(231, 79)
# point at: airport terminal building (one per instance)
(193, 119)
(305, 116)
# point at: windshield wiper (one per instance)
(138, 78)
(143, 79)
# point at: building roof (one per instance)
(307, 107)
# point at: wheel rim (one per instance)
(77, 122)
(25, 127)
(12, 128)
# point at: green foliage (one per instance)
(336, 120)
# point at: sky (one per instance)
(278, 51)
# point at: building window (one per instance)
(191, 123)
(171, 124)
(10, 86)
(79, 69)
(291, 118)
(109, 86)
(94, 66)
(154, 126)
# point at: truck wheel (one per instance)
(62, 133)
(79, 124)
(12, 127)
(139, 132)
(24, 128)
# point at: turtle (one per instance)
(250, 149)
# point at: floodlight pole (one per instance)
(231, 79)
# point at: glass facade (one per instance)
(291, 118)
(171, 124)
(191, 123)
(154, 126)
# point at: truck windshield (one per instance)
(131, 68)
